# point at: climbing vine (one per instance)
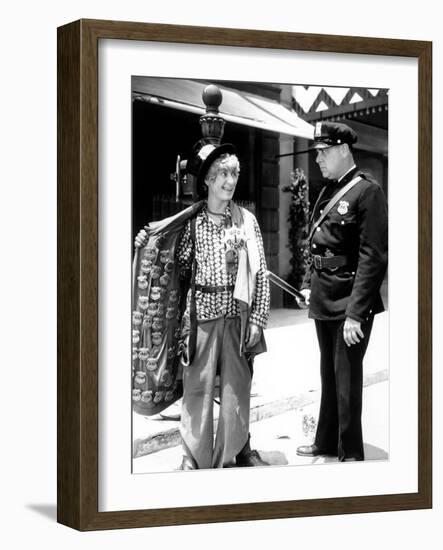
(298, 222)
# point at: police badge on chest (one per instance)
(343, 207)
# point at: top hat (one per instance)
(203, 156)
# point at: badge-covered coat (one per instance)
(161, 338)
(355, 228)
(159, 299)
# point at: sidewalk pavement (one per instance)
(284, 399)
(277, 437)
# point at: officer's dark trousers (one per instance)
(339, 430)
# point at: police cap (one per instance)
(328, 134)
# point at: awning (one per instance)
(238, 107)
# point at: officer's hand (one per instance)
(253, 333)
(141, 239)
(304, 304)
(352, 332)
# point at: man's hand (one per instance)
(304, 304)
(352, 332)
(253, 333)
(141, 238)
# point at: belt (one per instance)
(328, 262)
(214, 289)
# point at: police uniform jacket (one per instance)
(357, 228)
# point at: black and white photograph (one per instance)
(260, 311)
(226, 221)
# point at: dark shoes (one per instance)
(250, 459)
(243, 459)
(312, 450)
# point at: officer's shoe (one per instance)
(311, 450)
(250, 458)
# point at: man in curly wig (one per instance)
(231, 301)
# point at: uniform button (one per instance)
(342, 222)
(318, 228)
(321, 211)
(353, 273)
(314, 246)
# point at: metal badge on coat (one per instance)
(343, 207)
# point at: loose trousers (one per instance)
(339, 430)
(217, 352)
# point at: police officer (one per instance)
(348, 244)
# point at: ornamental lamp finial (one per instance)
(212, 124)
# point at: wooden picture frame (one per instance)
(78, 466)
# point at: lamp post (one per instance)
(212, 127)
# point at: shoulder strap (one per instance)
(332, 202)
(317, 202)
